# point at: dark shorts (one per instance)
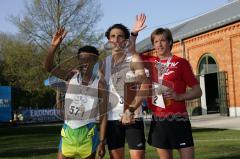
(170, 133)
(134, 134)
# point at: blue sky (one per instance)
(159, 13)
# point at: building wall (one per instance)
(224, 46)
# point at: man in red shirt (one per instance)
(170, 128)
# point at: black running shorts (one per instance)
(170, 133)
(134, 134)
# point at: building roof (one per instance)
(211, 20)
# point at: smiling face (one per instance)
(87, 61)
(162, 41)
(161, 44)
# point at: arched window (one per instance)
(207, 65)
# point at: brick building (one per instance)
(211, 43)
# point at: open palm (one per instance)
(139, 23)
(58, 36)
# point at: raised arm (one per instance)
(142, 92)
(66, 69)
(57, 39)
(139, 25)
(141, 79)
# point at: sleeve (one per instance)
(188, 75)
(150, 64)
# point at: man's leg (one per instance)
(165, 153)
(60, 156)
(137, 154)
(64, 133)
(115, 139)
(117, 153)
(136, 139)
(92, 156)
(184, 140)
(186, 153)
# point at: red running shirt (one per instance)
(178, 76)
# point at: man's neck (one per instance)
(86, 77)
(118, 58)
(165, 56)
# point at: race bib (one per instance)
(76, 110)
(158, 101)
(77, 106)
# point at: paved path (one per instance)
(216, 121)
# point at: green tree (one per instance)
(38, 25)
(21, 68)
(22, 65)
(44, 17)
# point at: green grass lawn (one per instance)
(41, 142)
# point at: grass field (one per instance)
(41, 142)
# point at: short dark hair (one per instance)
(165, 32)
(118, 26)
(88, 49)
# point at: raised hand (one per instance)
(138, 26)
(139, 23)
(58, 37)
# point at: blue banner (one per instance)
(41, 115)
(5, 104)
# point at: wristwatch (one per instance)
(131, 109)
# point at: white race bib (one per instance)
(77, 107)
(158, 101)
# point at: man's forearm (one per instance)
(193, 93)
(103, 126)
(141, 94)
(50, 58)
(132, 48)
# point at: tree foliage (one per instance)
(21, 58)
(44, 17)
(22, 64)
(21, 68)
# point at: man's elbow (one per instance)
(199, 92)
(47, 67)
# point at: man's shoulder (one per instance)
(180, 59)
